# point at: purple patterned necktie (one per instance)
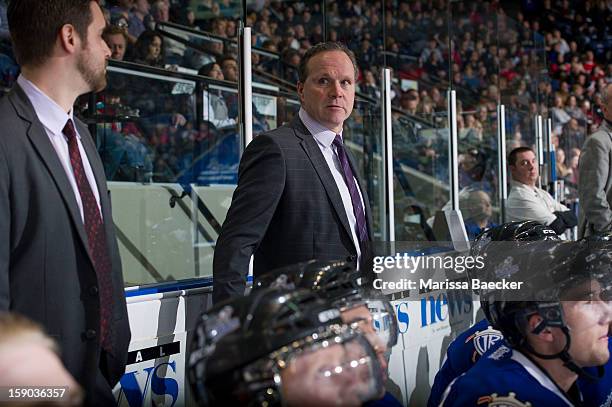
(349, 179)
(96, 237)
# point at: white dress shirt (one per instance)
(531, 203)
(53, 119)
(325, 138)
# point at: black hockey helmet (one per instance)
(241, 346)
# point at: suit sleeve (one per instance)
(261, 180)
(5, 232)
(594, 174)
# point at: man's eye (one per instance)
(346, 82)
(323, 81)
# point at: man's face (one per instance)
(230, 70)
(143, 6)
(525, 169)
(589, 322)
(92, 58)
(328, 93)
(330, 376)
(117, 45)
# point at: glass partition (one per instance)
(416, 48)
(420, 165)
(173, 135)
(170, 147)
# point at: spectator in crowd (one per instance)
(229, 65)
(559, 115)
(595, 187)
(477, 212)
(573, 162)
(528, 202)
(574, 111)
(563, 171)
(140, 20)
(297, 184)
(214, 107)
(117, 41)
(149, 49)
(572, 136)
(122, 7)
(29, 358)
(72, 286)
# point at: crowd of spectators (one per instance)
(550, 57)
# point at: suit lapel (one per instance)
(40, 140)
(313, 152)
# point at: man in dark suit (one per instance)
(59, 260)
(298, 196)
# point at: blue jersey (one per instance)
(598, 393)
(505, 377)
(462, 354)
(482, 339)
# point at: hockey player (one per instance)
(470, 345)
(281, 348)
(338, 283)
(554, 330)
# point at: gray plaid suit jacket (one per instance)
(286, 209)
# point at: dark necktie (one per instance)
(349, 179)
(96, 237)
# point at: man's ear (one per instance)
(68, 38)
(300, 91)
(532, 323)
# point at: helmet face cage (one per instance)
(238, 345)
(343, 367)
(384, 320)
(271, 380)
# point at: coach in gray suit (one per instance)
(59, 260)
(595, 181)
(298, 196)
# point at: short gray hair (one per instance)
(324, 47)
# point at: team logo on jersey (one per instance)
(484, 340)
(502, 401)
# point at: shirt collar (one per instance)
(324, 136)
(50, 114)
(517, 184)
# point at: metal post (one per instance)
(503, 181)
(550, 151)
(245, 89)
(539, 147)
(387, 129)
(453, 152)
